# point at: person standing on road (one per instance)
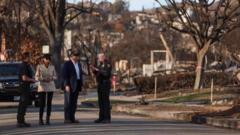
(26, 78)
(46, 75)
(103, 73)
(72, 84)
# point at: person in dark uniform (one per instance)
(26, 78)
(103, 73)
(72, 84)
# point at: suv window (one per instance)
(9, 69)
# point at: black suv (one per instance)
(10, 84)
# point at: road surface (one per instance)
(122, 124)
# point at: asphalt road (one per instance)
(122, 124)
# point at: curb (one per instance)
(164, 115)
(225, 123)
(189, 116)
(217, 122)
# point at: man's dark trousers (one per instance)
(23, 103)
(104, 101)
(70, 103)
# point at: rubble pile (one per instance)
(182, 81)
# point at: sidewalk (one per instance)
(170, 111)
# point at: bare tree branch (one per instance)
(77, 10)
(206, 21)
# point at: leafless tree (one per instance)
(8, 20)
(206, 21)
(120, 6)
(15, 21)
(55, 15)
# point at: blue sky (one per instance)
(134, 4)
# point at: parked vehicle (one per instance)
(10, 84)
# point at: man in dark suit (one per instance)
(72, 84)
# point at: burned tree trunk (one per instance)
(200, 63)
(56, 45)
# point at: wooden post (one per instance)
(212, 85)
(155, 92)
(114, 89)
(114, 79)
